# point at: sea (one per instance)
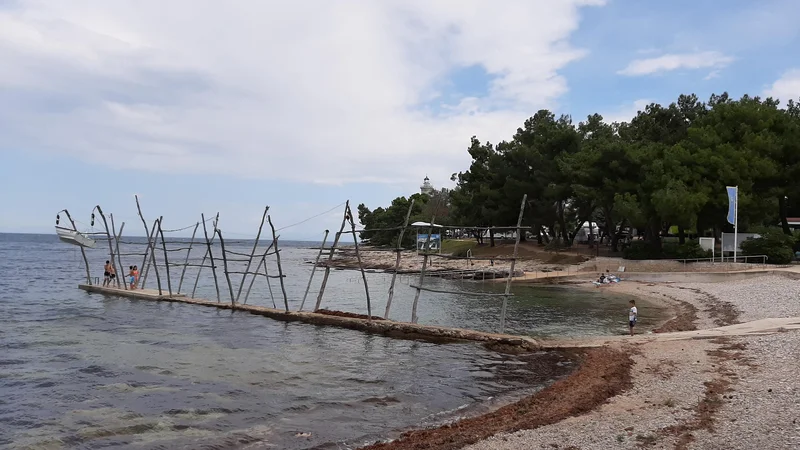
(80, 370)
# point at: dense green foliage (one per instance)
(667, 167)
(385, 221)
(688, 250)
(777, 246)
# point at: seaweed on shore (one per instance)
(603, 373)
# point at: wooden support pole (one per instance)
(166, 259)
(314, 269)
(147, 255)
(153, 262)
(250, 261)
(414, 317)
(116, 242)
(513, 265)
(278, 259)
(206, 255)
(397, 260)
(358, 258)
(225, 265)
(83, 251)
(186, 263)
(108, 234)
(263, 262)
(330, 257)
(145, 266)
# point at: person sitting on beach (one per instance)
(107, 273)
(633, 314)
(602, 279)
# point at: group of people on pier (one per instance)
(110, 275)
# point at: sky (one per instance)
(201, 106)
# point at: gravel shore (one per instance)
(724, 393)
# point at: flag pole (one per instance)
(736, 225)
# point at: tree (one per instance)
(385, 223)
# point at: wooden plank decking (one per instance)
(385, 327)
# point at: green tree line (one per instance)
(667, 167)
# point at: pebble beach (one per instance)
(738, 392)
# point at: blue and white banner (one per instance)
(733, 198)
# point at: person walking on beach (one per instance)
(107, 273)
(633, 314)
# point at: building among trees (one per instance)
(427, 187)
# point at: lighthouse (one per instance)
(426, 187)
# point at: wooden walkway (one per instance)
(386, 327)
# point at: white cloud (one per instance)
(711, 75)
(785, 88)
(330, 93)
(627, 112)
(669, 62)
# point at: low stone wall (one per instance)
(602, 264)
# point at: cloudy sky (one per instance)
(205, 106)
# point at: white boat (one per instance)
(74, 237)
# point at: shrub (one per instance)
(689, 250)
(776, 245)
(639, 250)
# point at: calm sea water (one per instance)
(92, 371)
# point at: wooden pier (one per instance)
(385, 327)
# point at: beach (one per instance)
(729, 390)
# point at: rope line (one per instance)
(312, 217)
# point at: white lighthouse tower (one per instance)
(426, 187)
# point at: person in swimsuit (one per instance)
(136, 276)
(107, 273)
(113, 276)
(131, 277)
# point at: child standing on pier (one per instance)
(633, 314)
(131, 277)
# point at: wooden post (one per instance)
(166, 259)
(250, 261)
(330, 257)
(314, 269)
(186, 263)
(266, 273)
(108, 234)
(225, 265)
(148, 258)
(153, 262)
(422, 271)
(513, 264)
(83, 251)
(116, 241)
(397, 260)
(278, 259)
(358, 257)
(206, 255)
(149, 237)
